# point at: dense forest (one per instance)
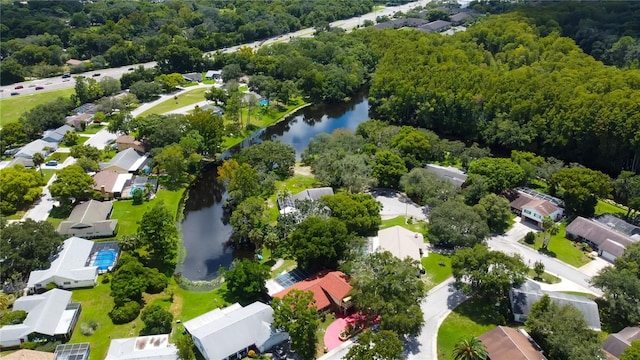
(38, 36)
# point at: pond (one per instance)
(204, 232)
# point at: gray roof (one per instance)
(618, 224)
(76, 351)
(143, 347)
(596, 232)
(88, 108)
(224, 332)
(525, 296)
(211, 73)
(69, 263)
(612, 247)
(618, 342)
(91, 211)
(89, 219)
(56, 135)
(455, 176)
(460, 17)
(28, 163)
(45, 315)
(129, 160)
(435, 26)
(192, 77)
(36, 146)
(308, 194)
(400, 23)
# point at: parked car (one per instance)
(66, 76)
(39, 87)
(19, 87)
(130, 69)
(52, 163)
(15, 93)
(96, 75)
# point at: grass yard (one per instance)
(294, 184)
(92, 129)
(416, 226)
(128, 214)
(607, 208)
(11, 108)
(193, 304)
(47, 174)
(437, 272)
(185, 99)
(322, 329)
(562, 248)
(17, 216)
(81, 140)
(545, 278)
(471, 318)
(58, 156)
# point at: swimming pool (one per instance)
(136, 187)
(264, 102)
(105, 259)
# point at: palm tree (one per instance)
(470, 349)
(38, 159)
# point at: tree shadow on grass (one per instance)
(482, 311)
(61, 212)
(547, 252)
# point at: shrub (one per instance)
(86, 330)
(138, 196)
(105, 279)
(13, 318)
(51, 286)
(29, 345)
(126, 313)
(530, 238)
(157, 281)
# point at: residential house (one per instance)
(401, 23)
(192, 77)
(533, 207)
(454, 175)
(460, 18)
(617, 343)
(90, 220)
(618, 224)
(69, 268)
(153, 347)
(400, 242)
(125, 142)
(308, 194)
(525, 296)
(36, 146)
(78, 351)
(435, 26)
(330, 290)
(28, 163)
(126, 161)
(87, 108)
(230, 332)
(79, 121)
(110, 183)
(505, 343)
(50, 314)
(215, 109)
(56, 135)
(25, 354)
(609, 243)
(213, 75)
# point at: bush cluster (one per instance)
(126, 313)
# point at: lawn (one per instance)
(433, 265)
(562, 248)
(47, 174)
(185, 99)
(607, 208)
(58, 156)
(11, 108)
(471, 318)
(16, 216)
(322, 329)
(545, 278)
(294, 184)
(128, 214)
(81, 140)
(416, 226)
(92, 129)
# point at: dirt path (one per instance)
(302, 170)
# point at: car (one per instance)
(66, 76)
(32, 85)
(15, 93)
(130, 69)
(52, 163)
(19, 87)
(65, 80)
(39, 87)
(96, 75)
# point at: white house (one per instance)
(156, 347)
(533, 209)
(50, 314)
(400, 242)
(90, 220)
(36, 146)
(213, 75)
(69, 268)
(230, 332)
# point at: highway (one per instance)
(57, 83)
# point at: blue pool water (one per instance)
(105, 259)
(264, 102)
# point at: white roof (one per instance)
(120, 182)
(36, 146)
(143, 347)
(224, 332)
(128, 159)
(69, 263)
(46, 314)
(400, 242)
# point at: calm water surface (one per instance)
(204, 231)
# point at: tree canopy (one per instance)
(359, 212)
(319, 243)
(580, 188)
(19, 187)
(296, 314)
(246, 281)
(380, 345)
(270, 157)
(72, 184)
(158, 235)
(500, 173)
(454, 224)
(156, 320)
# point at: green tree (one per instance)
(157, 233)
(11, 72)
(72, 183)
(580, 188)
(319, 243)
(380, 345)
(110, 86)
(501, 174)
(296, 314)
(231, 72)
(270, 157)
(470, 349)
(38, 160)
(26, 246)
(626, 188)
(414, 146)
(632, 352)
(498, 212)
(185, 346)
(454, 224)
(172, 160)
(216, 94)
(19, 187)
(178, 58)
(487, 274)
(359, 212)
(156, 320)
(562, 332)
(85, 151)
(145, 91)
(170, 82)
(246, 281)
(242, 180)
(208, 125)
(249, 223)
(12, 135)
(538, 267)
(88, 165)
(426, 187)
(388, 287)
(388, 169)
(70, 138)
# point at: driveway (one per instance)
(396, 204)
(101, 139)
(40, 211)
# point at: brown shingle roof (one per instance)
(105, 178)
(25, 354)
(505, 343)
(520, 201)
(126, 139)
(595, 232)
(543, 207)
(324, 285)
(618, 342)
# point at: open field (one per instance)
(186, 99)
(11, 108)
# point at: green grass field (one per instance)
(416, 226)
(471, 318)
(188, 98)
(11, 108)
(606, 208)
(128, 214)
(545, 278)
(92, 129)
(562, 248)
(434, 270)
(58, 156)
